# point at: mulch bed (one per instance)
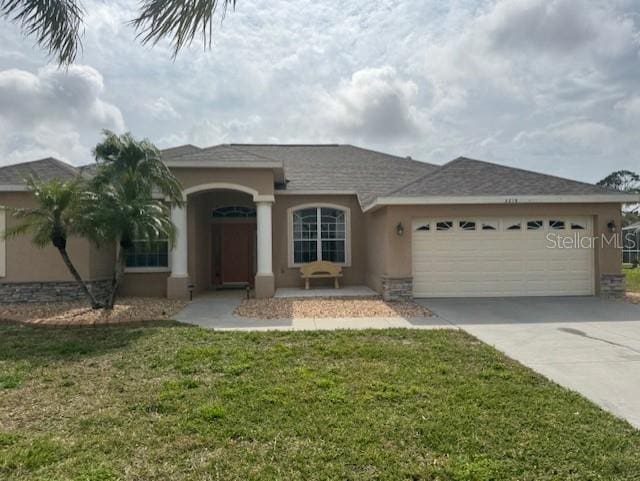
(126, 310)
(327, 307)
(633, 297)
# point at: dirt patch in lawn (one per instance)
(325, 307)
(126, 310)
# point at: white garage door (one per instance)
(495, 257)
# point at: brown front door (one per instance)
(236, 256)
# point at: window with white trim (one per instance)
(556, 224)
(444, 225)
(233, 211)
(467, 225)
(515, 225)
(535, 224)
(319, 233)
(490, 225)
(148, 254)
(577, 225)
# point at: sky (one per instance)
(547, 85)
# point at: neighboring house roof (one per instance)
(43, 169)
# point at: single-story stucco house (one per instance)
(404, 228)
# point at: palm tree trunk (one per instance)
(117, 276)
(76, 275)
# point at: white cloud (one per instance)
(543, 84)
(161, 108)
(374, 104)
(630, 106)
(53, 112)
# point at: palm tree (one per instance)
(53, 220)
(56, 24)
(130, 200)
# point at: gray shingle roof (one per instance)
(469, 177)
(341, 168)
(179, 151)
(217, 153)
(43, 169)
(348, 169)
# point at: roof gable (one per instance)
(340, 168)
(470, 177)
(42, 169)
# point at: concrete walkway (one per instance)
(586, 344)
(345, 291)
(215, 311)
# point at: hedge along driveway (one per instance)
(173, 402)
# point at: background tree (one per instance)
(56, 24)
(131, 196)
(53, 219)
(625, 181)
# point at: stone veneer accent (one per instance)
(612, 286)
(18, 292)
(397, 288)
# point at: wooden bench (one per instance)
(321, 270)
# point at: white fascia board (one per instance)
(510, 200)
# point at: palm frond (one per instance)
(55, 24)
(54, 216)
(180, 20)
(137, 166)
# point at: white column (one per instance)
(179, 253)
(263, 213)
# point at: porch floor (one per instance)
(346, 291)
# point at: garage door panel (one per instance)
(460, 263)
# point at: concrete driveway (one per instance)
(583, 343)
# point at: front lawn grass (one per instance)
(170, 402)
(633, 279)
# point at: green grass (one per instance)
(633, 279)
(173, 402)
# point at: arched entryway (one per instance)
(224, 239)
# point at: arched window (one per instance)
(236, 211)
(319, 233)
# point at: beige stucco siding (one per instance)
(147, 284)
(102, 260)
(290, 277)
(28, 263)
(397, 253)
(376, 246)
(260, 180)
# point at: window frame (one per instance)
(493, 223)
(539, 224)
(451, 228)
(319, 205)
(462, 228)
(508, 222)
(150, 269)
(554, 221)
